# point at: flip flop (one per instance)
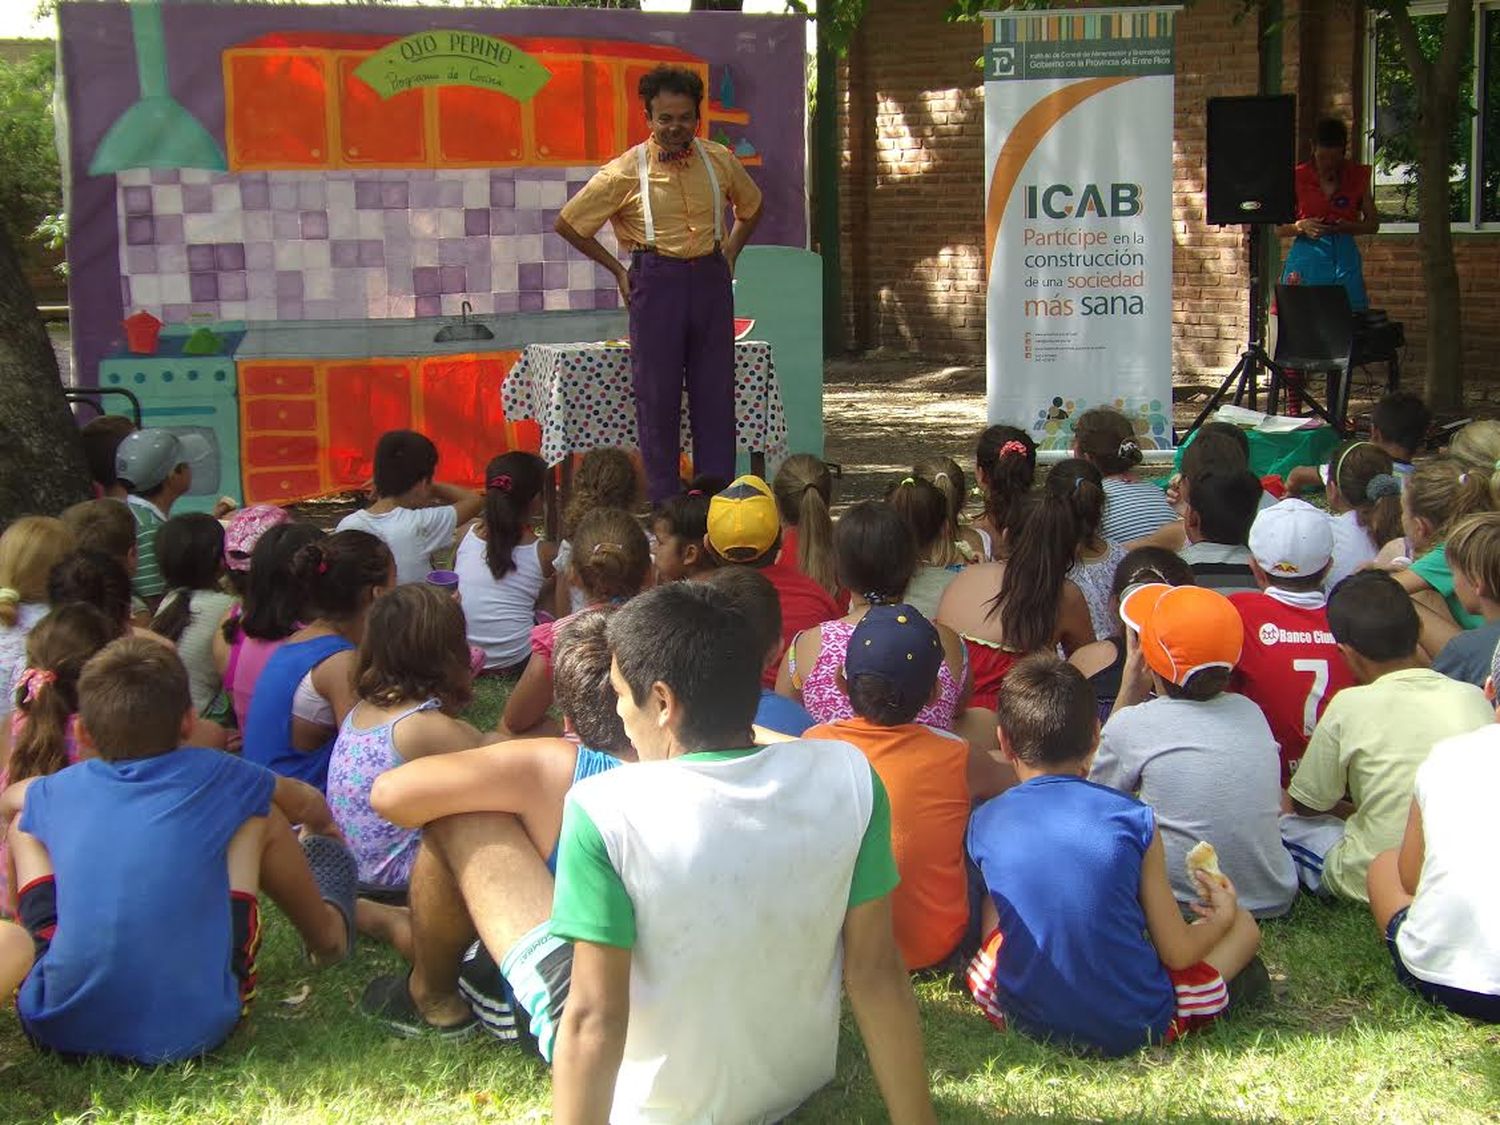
(336, 872)
(388, 1000)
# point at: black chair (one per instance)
(90, 396)
(1315, 333)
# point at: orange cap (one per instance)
(1184, 629)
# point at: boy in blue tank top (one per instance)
(1085, 942)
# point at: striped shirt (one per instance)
(1133, 509)
(148, 520)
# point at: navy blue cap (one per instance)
(899, 645)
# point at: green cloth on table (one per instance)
(1279, 454)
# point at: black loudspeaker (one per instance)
(1252, 150)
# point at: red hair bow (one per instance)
(502, 483)
(1012, 447)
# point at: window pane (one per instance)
(1489, 200)
(1396, 182)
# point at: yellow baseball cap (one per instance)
(1184, 629)
(743, 523)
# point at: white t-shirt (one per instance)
(1352, 547)
(499, 612)
(412, 534)
(1452, 931)
(727, 875)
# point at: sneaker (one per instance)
(388, 1000)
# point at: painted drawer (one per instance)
(276, 486)
(277, 379)
(281, 415)
(281, 449)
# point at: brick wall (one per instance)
(911, 189)
(1216, 56)
(911, 194)
(913, 185)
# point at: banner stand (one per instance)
(1078, 219)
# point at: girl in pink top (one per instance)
(271, 612)
(875, 555)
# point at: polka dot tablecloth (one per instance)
(581, 396)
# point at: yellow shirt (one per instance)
(682, 202)
(1368, 744)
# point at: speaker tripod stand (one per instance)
(1244, 377)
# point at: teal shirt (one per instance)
(1433, 569)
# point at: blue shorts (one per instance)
(1475, 1005)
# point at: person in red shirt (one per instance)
(1291, 665)
(1334, 204)
(744, 527)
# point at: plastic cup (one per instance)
(444, 580)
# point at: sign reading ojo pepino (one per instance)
(1078, 218)
(453, 58)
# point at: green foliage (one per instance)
(1398, 118)
(30, 180)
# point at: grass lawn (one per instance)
(1339, 1041)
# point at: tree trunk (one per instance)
(1437, 84)
(42, 469)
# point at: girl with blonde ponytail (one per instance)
(1438, 494)
(964, 544)
(45, 700)
(804, 494)
(29, 549)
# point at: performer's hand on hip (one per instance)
(622, 279)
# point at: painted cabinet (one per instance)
(478, 127)
(275, 112)
(300, 105)
(376, 131)
(574, 113)
(309, 428)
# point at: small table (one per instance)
(581, 396)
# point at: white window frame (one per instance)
(1474, 224)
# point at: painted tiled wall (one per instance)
(352, 245)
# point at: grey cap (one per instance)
(147, 457)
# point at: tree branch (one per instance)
(1458, 32)
(1411, 47)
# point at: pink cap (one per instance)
(244, 530)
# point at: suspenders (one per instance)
(643, 170)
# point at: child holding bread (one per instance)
(1201, 756)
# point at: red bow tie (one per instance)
(674, 157)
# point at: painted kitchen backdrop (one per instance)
(293, 228)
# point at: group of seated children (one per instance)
(993, 748)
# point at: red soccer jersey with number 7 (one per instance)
(1291, 667)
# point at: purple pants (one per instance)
(682, 328)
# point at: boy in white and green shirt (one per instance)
(717, 894)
